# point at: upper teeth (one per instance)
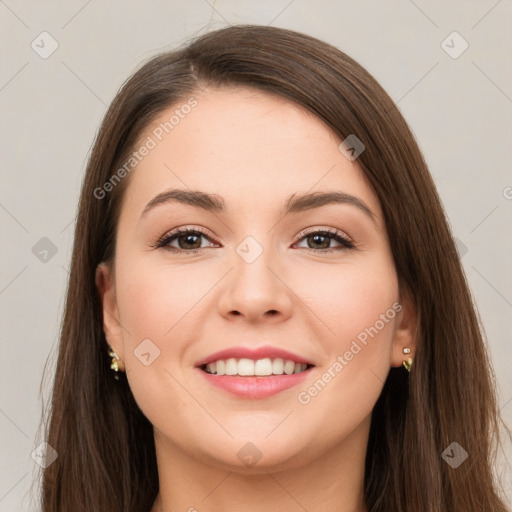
(245, 367)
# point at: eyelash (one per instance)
(336, 235)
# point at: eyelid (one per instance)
(316, 229)
(333, 232)
(161, 242)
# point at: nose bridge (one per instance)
(253, 270)
(253, 288)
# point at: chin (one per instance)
(259, 455)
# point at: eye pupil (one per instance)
(191, 241)
(316, 238)
(187, 239)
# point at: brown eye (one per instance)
(184, 240)
(318, 241)
(189, 241)
(322, 241)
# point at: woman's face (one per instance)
(258, 275)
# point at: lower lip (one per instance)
(255, 387)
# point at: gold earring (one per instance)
(407, 363)
(114, 365)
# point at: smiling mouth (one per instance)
(245, 367)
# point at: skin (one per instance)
(255, 150)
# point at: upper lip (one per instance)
(253, 353)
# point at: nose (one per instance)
(255, 291)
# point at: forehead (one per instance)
(242, 144)
(225, 111)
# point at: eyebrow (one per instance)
(294, 204)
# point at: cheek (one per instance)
(154, 299)
(347, 299)
(355, 309)
(155, 306)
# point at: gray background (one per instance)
(459, 108)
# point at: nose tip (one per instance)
(254, 292)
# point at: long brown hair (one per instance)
(106, 454)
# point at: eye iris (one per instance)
(316, 238)
(191, 240)
(186, 238)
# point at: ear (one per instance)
(405, 331)
(105, 283)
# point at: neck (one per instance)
(331, 482)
